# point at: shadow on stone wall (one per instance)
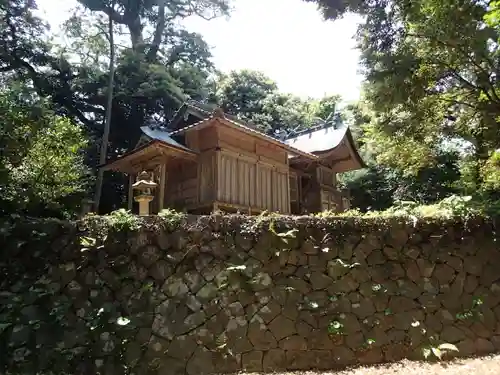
(224, 294)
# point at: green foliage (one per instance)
(123, 220)
(430, 81)
(21, 34)
(260, 222)
(172, 218)
(472, 313)
(242, 93)
(283, 236)
(335, 327)
(492, 16)
(378, 187)
(451, 207)
(87, 242)
(335, 9)
(382, 183)
(41, 167)
(87, 39)
(52, 166)
(254, 97)
(490, 172)
(448, 95)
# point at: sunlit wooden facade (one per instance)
(205, 160)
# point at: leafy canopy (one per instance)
(431, 72)
(254, 97)
(42, 169)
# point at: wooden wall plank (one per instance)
(238, 153)
(271, 152)
(218, 172)
(268, 188)
(193, 140)
(207, 138)
(222, 177)
(207, 177)
(233, 177)
(182, 185)
(253, 184)
(275, 196)
(235, 139)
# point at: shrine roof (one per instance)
(319, 139)
(160, 134)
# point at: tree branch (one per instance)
(199, 13)
(102, 31)
(114, 15)
(40, 87)
(469, 58)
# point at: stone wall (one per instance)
(224, 294)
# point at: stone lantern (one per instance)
(145, 187)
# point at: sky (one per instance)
(285, 39)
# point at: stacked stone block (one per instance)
(226, 294)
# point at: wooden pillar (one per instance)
(130, 192)
(162, 187)
(288, 195)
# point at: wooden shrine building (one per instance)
(205, 160)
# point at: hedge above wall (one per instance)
(176, 294)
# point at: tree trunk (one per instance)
(158, 34)
(107, 123)
(136, 38)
